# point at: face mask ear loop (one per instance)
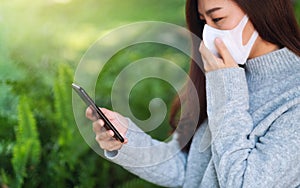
(243, 22)
(253, 36)
(252, 39)
(241, 26)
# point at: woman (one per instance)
(249, 97)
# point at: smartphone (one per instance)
(100, 115)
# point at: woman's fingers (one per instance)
(106, 141)
(224, 53)
(98, 125)
(89, 113)
(211, 62)
(104, 137)
(206, 54)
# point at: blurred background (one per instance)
(41, 44)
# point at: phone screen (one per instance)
(100, 115)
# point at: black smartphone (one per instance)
(100, 115)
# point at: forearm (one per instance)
(230, 123)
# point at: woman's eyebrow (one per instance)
(210, 11)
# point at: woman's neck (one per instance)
(262, 47)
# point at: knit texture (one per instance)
(251, 137)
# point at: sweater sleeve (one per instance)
(242, 160)
(158, 162)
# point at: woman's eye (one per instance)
(216, 20)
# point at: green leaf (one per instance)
(27, 149)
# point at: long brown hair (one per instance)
(275, 22)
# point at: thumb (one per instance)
(224, 52)
(206, 54)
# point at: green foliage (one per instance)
(70, 145)
(6, 148)
(27, 149)
(3, 178)
(63, 104)
(297, 10)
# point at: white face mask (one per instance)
(233, 39)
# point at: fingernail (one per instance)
(218, 40)
(101, 122)
(111, 133)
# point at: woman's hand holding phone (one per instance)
(105, 137)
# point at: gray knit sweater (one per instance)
(251, 137)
